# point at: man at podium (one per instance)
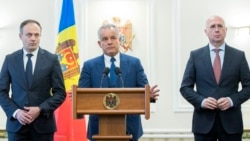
(114, 69)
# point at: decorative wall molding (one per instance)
(177, 134)
(180, 105)
(161, 134)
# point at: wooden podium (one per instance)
(111, 105)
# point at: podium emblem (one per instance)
(111, 101)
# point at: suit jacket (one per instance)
(199, 72)
(133, 76)
(47, 90)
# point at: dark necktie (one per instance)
(28, 70)
(217, 65)
(112, 77)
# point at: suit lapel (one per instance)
(99, 67)
(123, 66)
(207, 60)
(226, 62)
(39, 62)
(19, 59)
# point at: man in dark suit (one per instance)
(216, 99)
(132, 74)
(30, 106)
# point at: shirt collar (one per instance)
(34, 52)
(222, 47)
(107, 58)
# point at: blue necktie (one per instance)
(28, 70)
(112, 77)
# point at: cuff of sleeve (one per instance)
(202, 103)
(14, 114)
(231, 102)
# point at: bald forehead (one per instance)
(215, 20)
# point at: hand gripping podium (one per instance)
(111, 105)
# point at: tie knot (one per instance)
(112, 59)
(29, 55)
(216, 50)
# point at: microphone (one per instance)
(119, 73)
(104, 74)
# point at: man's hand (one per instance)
(210, 103)
(223, 103)
(23, 117)
(154, 92)
(28, 115)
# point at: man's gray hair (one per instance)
(108, 26)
